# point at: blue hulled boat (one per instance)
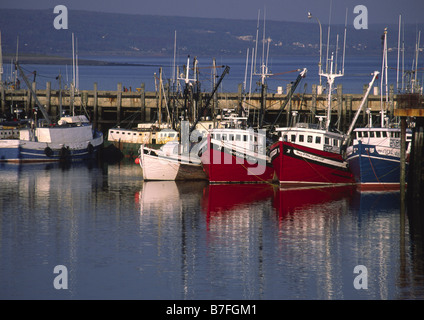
(374, 156)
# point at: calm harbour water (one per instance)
(122, 238)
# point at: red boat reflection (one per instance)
(222, 198)
(289, 201)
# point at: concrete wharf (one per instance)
(109, 108)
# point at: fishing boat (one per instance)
(72, 138)
(313, 154)
(171, 162)
(374, 156)
(128, 141)
(375, 153)
(236, 153)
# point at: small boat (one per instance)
(171, 162)
(128, 141)
(313, 154)
(235, 153)
(41, 140)
(72, 138)
(374, 156)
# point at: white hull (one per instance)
(156, 167)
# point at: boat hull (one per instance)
(295, 164)
(162, 168)
(375, 166)
(225, 165)
(22, 151)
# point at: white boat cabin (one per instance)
(385, 137)
(247, 139)
(309, 135)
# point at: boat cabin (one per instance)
(311, 136)
(387, 137)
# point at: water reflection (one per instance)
(121, 237)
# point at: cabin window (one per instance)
(256, 138)
(284, 137)
(238, 137)
(218, 136)
(335, 142)
(301, 138)
(365, 134)
(397, 134)
(111, 132)
(327, 140)
(359, 134)
(378, 134)
(293, 138)
(244, 137)
(371, 134)
(318, 139)
(224, 137)
(384, 134)
(310, 139)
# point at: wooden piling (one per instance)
(118, 102)
(143, 102)
(48, 96)
(314, 103)
(95, 106)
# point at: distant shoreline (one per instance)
(55, 60)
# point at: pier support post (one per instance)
(348, 108)
(118, 102)
(95, 111)
(314, 103)
(415, 176)
(289, 105)
(364, 112)
(402, 160)
(143, 102)
(391, 100)
(48, 96)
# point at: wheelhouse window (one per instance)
(327, 140)
(301, 138)
(310, 139)
(318, 140)
(293, 138)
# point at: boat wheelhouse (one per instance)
(235, 153)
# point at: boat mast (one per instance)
(384, 75)
(330, 80)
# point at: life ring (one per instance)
(90, 148)
(48, 152)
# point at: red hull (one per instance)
(296, 164)
(226, 166)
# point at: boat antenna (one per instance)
(328, 36)
(344, 44)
